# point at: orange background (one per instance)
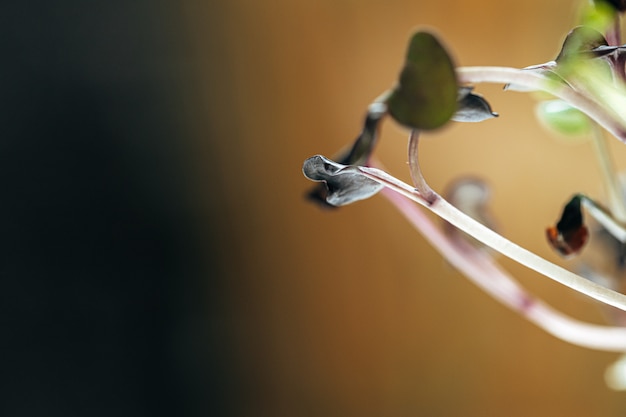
(350, 312)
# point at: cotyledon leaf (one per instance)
(426, 95)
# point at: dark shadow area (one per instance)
(101, 297)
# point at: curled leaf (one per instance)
(426, 94)
(570, 233)
(472, 107)
(345, 184)
(358, 154)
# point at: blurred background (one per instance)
(158, 257)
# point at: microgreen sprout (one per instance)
(587, 83)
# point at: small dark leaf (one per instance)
(570, 234)
(583, 42)
(472, 107)
(425, 97)
(562, 118)
(345, 184)
(358, 154)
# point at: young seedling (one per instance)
(587, 78)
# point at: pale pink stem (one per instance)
(484, 272)
(499, 243)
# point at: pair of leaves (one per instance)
(427, 95)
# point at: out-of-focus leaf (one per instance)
(563, 118)
(471, 196)
(472, 107)
(570, 233)
(426, 94)
(345, 184)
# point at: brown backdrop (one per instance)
(351, 313)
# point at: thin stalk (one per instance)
(529, 79)
(416, 172)
(480, 268)
(499, 243)
(606, 219)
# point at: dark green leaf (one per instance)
(426, 95)
(346, 184)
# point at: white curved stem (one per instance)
(492, 239)
(481, 269)
(507, 75)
